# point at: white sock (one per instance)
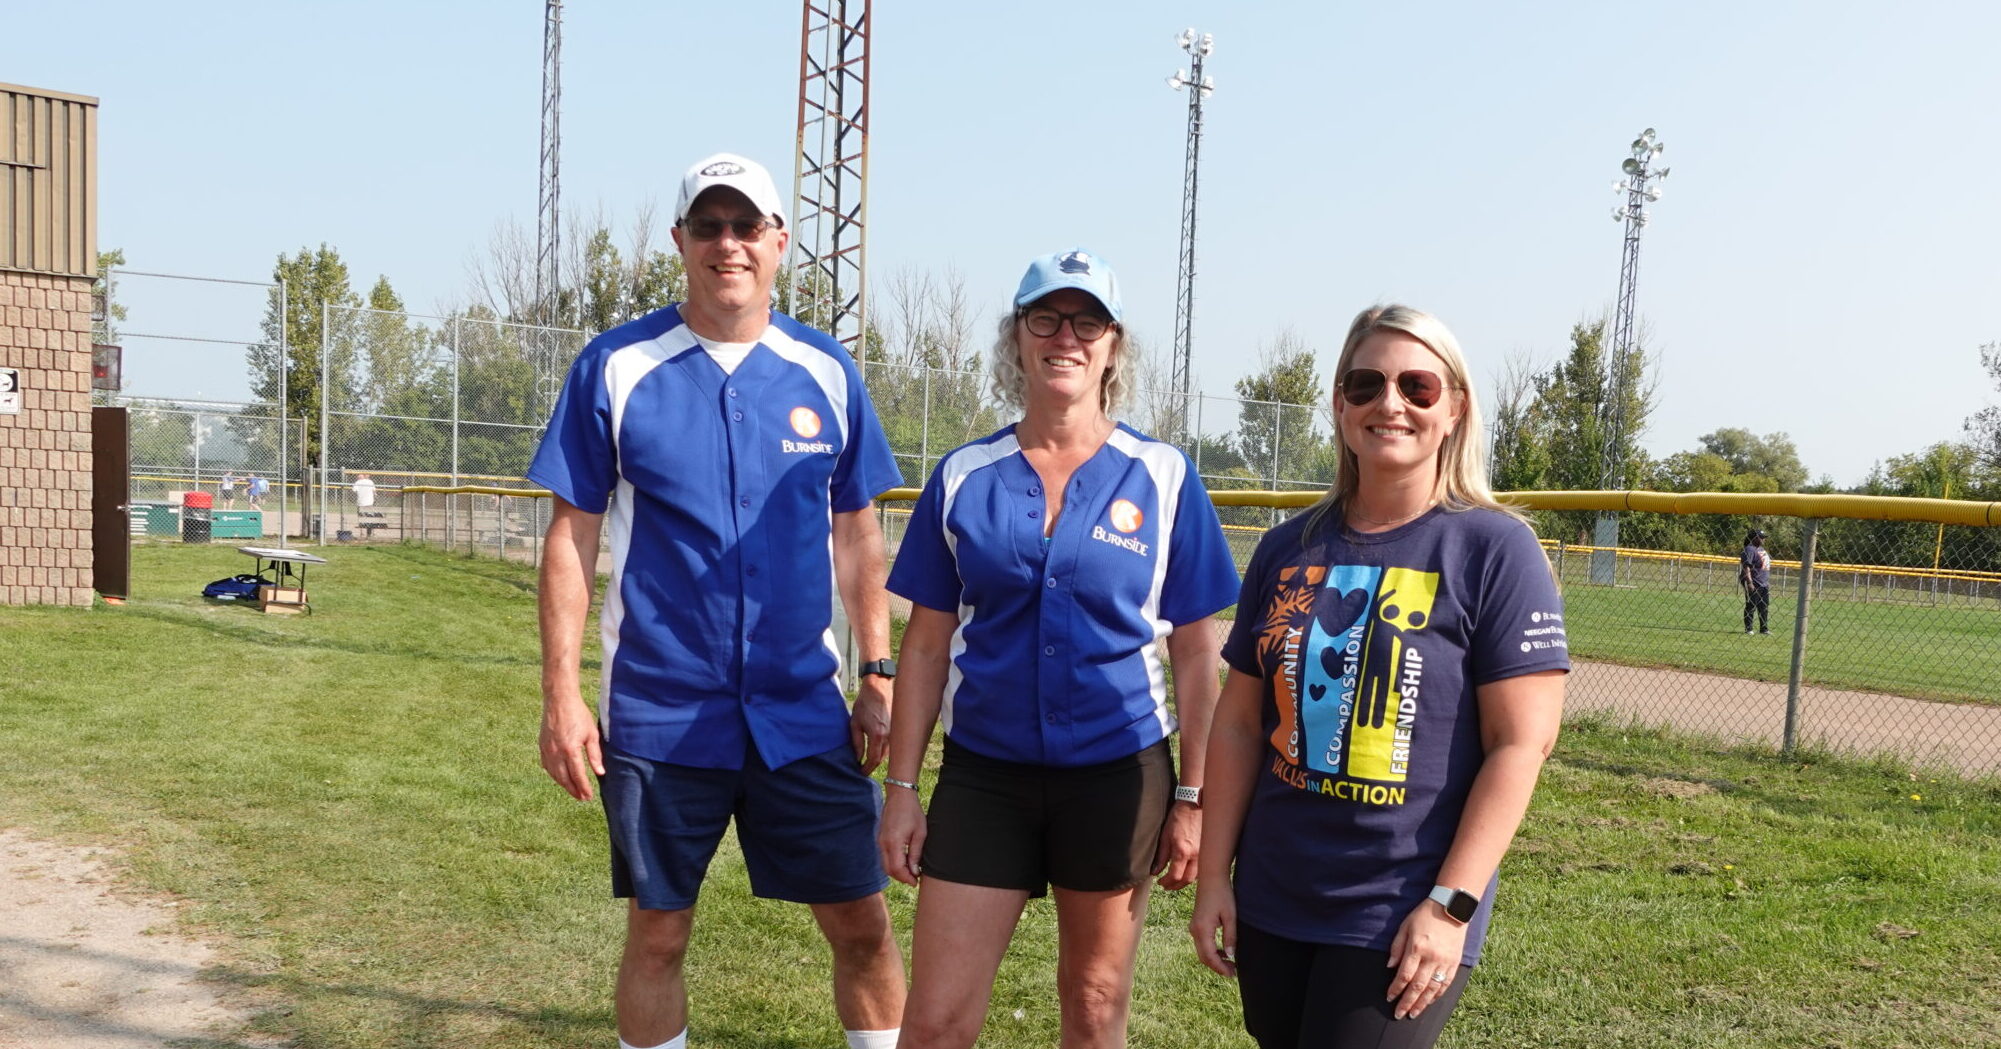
(679, 1041)
(873, 1039)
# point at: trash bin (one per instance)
(197, 509)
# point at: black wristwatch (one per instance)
(1459, 904)
(879, 667)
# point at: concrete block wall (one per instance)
(45, 477)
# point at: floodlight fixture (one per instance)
(1187, 37)
(1208, 44)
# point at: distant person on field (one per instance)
(737, 457)
(364, 492)
(256, 489)
(226, 489)
(1754, 572)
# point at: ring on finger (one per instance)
(1439, 977)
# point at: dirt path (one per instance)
(87, 965)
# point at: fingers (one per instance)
(878, 748)
(1206, 929)
(1433, 979)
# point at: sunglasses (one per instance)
(1045, 323)
(1419, 388)
(749, 231)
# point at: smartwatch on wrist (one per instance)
(1191, 795)
(885, 668)
(1459, 904)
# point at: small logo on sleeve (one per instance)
(806, 423)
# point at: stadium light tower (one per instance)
(1641, 187)
(548, 219)
(1199, 86)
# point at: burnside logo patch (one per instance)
(806, 423)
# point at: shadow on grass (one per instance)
(506, 573)
(592, 1027)
(248, 634)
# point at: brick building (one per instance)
(48, 264)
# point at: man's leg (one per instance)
(652, 996)
(868, 967)
(961, 933)
(1097, 940)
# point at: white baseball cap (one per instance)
(742, 174)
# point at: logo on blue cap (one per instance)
(1074, 262)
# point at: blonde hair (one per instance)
(1461, 482)
(1009, 385)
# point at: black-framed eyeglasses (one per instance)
(749, 231)
(1419, 388)
(1044, 322)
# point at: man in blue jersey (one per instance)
(737, 457)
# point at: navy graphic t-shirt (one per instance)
(1370, 648)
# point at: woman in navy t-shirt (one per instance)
(1045, 564)
(1396, 681)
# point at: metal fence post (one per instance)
(1807, 544)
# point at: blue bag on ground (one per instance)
(235, 588)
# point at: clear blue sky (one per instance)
(1822, 263)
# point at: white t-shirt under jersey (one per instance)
(727, 354)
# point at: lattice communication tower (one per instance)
(1641, 187)
(1199, 87)
(830, 176)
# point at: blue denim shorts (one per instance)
(807, 829)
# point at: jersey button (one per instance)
(1035, 490)
(1052, 719)
(750, 570)
(1051, 583)
(1034, 514)
(1049, 650)
(732, 391)
(738, 416)
(745, 501)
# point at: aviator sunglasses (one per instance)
(749, 231)
(1419, 388)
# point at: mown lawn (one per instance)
(352, 800)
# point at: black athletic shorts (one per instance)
(1007, 825)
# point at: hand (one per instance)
(1427, 944)
(900, 835)
(1180, 846)
(1215, 916)
(868, 723)
(570, 746)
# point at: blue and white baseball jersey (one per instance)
(1054, 661)
(720, 490)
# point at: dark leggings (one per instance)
(1315, 996)
(1756, 599)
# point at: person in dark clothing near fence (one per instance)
(1754, 572)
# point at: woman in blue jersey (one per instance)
(1044, 564)
(1395, 682)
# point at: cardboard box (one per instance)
(281, 599)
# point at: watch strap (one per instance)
(1191, 795)
(880, 667)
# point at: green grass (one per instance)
(1943, 653)
(351, 799)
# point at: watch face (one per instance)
(1462, 906)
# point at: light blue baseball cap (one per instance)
(1071, 269)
